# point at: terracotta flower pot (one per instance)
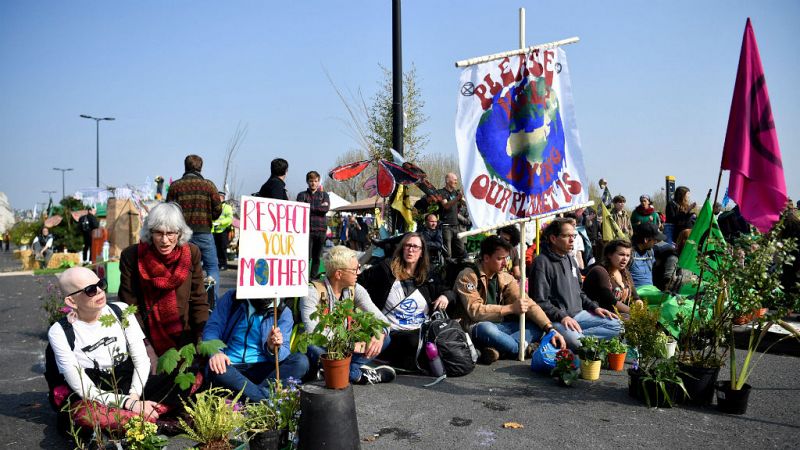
(336, 372)
(616, 361)
(747, 318)
(590, 370)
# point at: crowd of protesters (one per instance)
(579, 285)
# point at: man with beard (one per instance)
(248, 360)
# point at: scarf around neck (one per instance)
(161, 275)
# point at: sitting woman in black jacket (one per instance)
(407, 294)
(609, 283)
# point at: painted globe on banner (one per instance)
(521, 137)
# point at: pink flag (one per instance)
(751, 149)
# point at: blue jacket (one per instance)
(229, 312)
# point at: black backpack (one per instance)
(455, 348)
(53, 377)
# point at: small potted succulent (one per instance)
(339, 330)
(591, 353)
(566, 370)
(615, 351)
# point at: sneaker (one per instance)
(380, 374)
(488, 356)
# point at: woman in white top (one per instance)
(407, 294)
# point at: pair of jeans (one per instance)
(315, 352)
(255, 377)
(591, 325)
(504, 336)
(208, 252)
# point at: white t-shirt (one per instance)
(101, 348)
(405, 312)
(578, 247)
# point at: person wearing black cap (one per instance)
(645, 237)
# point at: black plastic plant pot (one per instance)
(655, 395)
(327, 418)
(269, 440)
(634, 383)
(732, 401)
(699, 383)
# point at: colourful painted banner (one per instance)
(518, 143)
(273, 248)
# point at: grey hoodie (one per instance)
(555, 286)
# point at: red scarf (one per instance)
(161, 276)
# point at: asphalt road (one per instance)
(459, 413)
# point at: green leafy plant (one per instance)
(665, 375)
(141, 435)
(340, 329)
(641, 330)
(565, 370)
(591, 349)
(214, 417)
(280, 412)
(614, 346)
(747, 276)
(182, 360)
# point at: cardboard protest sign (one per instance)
(273, 248)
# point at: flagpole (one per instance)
(702, 253)
(522, 292)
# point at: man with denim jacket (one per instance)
(248, 360)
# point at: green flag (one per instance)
(698, 242)
(611, 230)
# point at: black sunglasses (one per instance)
(91, 290)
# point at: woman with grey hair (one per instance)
(162, 275)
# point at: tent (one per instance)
(336, 202)
(367, 204)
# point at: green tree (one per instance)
(379, 118)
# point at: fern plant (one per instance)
(214, 418)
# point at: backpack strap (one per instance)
(69, 332)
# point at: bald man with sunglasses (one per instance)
(98, 351)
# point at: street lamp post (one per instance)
(63, 171)
(97, 124)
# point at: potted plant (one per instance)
(661, 383)
(591, 353)
(270, 423)
(566, 369)
(140, 434)
(339, 330)
(702, 349)
(748, 276)
(214, 418)
(616, 352)
(641, 330)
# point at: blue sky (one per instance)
(652, 83)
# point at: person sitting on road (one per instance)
(645, 238)
(407, 293)
(42, 246)
(511, 235)
(163, 277)
(492, 301)
(341, 269)
(667, 276)
(609, 283)
(556, 288)
(432, 235)
(248, 360)
(105, 367)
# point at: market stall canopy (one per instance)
(336, 202)
(361, 205)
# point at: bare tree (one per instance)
(230, 172)
(437, 165)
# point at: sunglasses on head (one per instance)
(91, 290)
